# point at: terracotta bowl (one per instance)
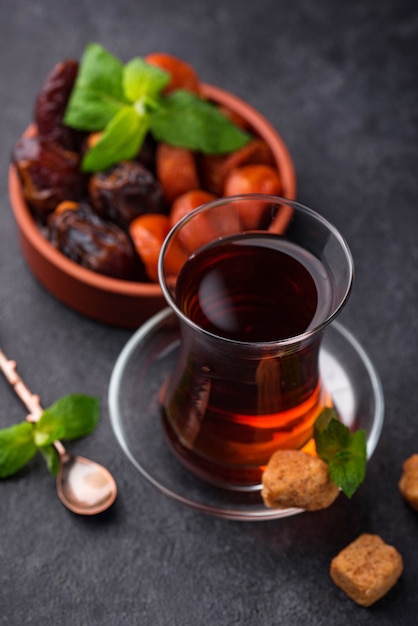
(109, 300)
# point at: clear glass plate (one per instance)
(143, 366)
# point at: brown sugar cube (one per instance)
(408, 484)
(366, 569)
(293, 478)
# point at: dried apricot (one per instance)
(176, 170)
(148, 232)
(200, 230)
(188, 202)
(252, 179)
(214, 169)
(182, 74)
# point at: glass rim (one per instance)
(301, 208)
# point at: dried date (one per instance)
(51, 104)
(126, 191)
(49, 174)
(88, 240)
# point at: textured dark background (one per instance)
(339, 81)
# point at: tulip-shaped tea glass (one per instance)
(254, 281)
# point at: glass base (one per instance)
(136, 381)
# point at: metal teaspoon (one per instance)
(83, 486)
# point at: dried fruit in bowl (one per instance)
(49, 174)
(214, 168)
(126, 191)
(148, 233)
(176, 170)
(51, 104)
(188, 202)
(199, 231)
(249, 179)
(253, 178)
(88, 240)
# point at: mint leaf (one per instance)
(98, 91)
(183, 119)
(345, 452)
(77, 415)
(48, 429)
(142, 80)
(347, 468)
(121, 140)
(331, 435)
(17, 447)
(51, 458)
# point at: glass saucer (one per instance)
(143, 366)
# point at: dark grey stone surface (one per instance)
(339, 81)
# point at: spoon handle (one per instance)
(29, 399)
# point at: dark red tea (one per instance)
(230, 404)
(248, 291)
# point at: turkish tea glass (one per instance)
(254, 281)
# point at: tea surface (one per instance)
(253, 289)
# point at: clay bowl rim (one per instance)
(27, 224)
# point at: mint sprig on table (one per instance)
(71, 417)
(125, 103)
(345, 452)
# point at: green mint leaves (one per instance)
(125, 103)
(142, 82)
(345, 452)
(120, 141)
(98, 92)
(71, 417)
(17, 447)
(189, 122)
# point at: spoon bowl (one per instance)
(83, 486)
